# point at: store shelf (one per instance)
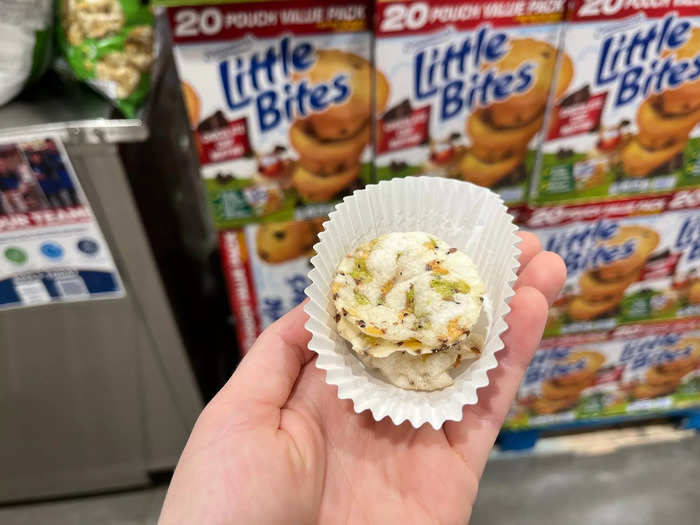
(523, 439)
(73, 111)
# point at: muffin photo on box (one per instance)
(330, 143)
(501, 132)
(659, 367)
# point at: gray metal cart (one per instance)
(93, 395)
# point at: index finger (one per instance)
(473, 437)
(530, 246)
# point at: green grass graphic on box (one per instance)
(512, 193)
(557, 184)
(230, 207)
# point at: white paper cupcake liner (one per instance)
(467, 217)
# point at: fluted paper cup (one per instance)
(467, 217)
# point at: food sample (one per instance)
(407, 303)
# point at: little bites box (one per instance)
(627, 124)
(266, 267)
(468, 84)
(627, 261)
(636, 369)
(569, 380)
(279, 96)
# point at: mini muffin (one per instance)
(327, 157)
(317, 188)
(588, 361)
(694, 293)
(646, 391)
(278, 242)
(593, 288)
(472, 169)
(522, 108)
(407, 303)
(341, 121)
(685, 97)
(637, 161)
(684, 357)
(547, 406)
(644, 241)
(658, 130)
(582, 310)
(491, 144)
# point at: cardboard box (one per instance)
(266, 267)
(468, 87)
(632, 370)
(627, 261)
(278, 96)
(627, 124)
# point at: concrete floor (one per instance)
(638, 485)
(139, 507)
(567, 481)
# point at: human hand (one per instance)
(276, 445)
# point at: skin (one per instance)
(276, 445)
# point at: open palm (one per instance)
(276, 445)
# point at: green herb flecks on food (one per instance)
(360, 271)
(447, 289)
(410, 299)
(361, 298)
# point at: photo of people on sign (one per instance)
(51, 246)
(33, 177)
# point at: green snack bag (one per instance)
(109, 45)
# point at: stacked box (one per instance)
(632, 370)
(284, 99)
(613, 192)
(279, 96)
(627, 123)
(627, 261)
(468, 84)
(266, 267)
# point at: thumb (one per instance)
(263, 381)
